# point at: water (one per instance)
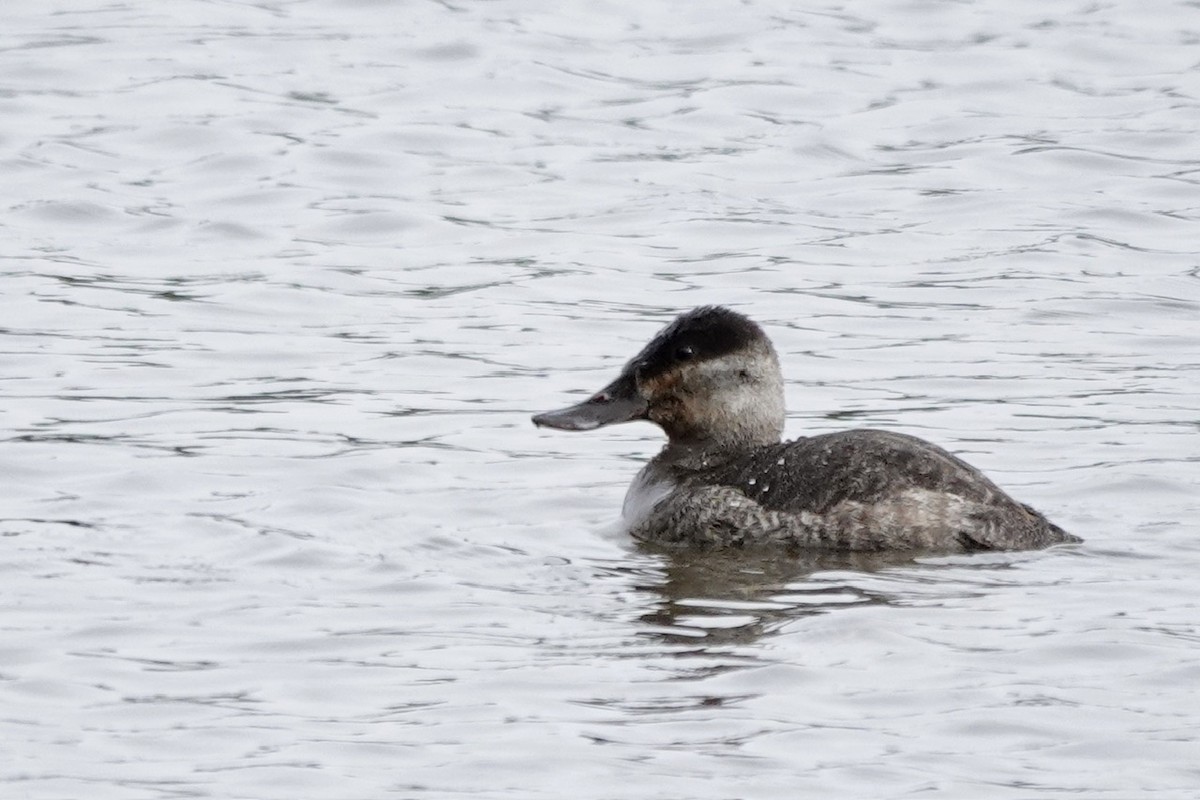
(283, 282)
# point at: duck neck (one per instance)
(694, 453)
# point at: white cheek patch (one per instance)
(726, 387)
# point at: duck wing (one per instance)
(817, 473)
(878, 489)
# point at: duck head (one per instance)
(710, 379)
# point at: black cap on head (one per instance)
(702, 333)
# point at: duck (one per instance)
(725, 479)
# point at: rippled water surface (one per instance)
(284, 280)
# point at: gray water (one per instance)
(283, 282)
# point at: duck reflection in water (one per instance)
(718, 597)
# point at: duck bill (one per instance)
(617, 402)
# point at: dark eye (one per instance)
(685, 353)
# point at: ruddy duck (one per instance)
(711, 381)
